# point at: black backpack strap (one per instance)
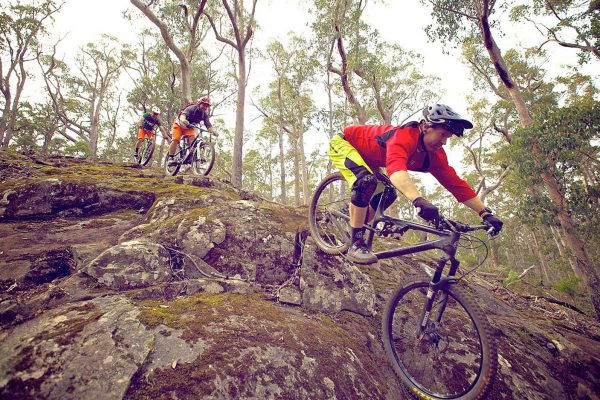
(412, 124)
(384, 137)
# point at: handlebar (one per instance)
(456, 226)
(196, 126)
(443, 223)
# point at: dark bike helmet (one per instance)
(443, 115)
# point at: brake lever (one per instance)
(490, 231)
(442, 223)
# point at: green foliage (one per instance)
(566, 140)
(568, 285)
(513, 276)
(571, 24)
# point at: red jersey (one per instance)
(396, 149)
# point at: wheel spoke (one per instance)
(446, 359)
(329, 221)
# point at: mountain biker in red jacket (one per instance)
(193, 114)
(415, 146)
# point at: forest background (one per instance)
(284, 76)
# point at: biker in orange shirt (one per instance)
(193, 114)
(147, 125)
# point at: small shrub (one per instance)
(568, 285)
(513, 276)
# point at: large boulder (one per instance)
(131, 265)
(54, 197)
(88, 350)
(332, 284)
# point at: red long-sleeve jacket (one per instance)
(396, 149)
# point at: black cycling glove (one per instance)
(495, 222)
(427, 211)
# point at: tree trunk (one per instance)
(558, 241)
(282, 167)
(186, 86)
(238, 140)
(4, 120)
(12, 114)
(303, 169)
(543, 266)
(584, 269)
(296, 174)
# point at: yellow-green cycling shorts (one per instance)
(349, 161)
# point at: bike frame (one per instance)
(447, 242)
(185, 148)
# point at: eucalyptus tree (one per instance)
(182, 30)
(380, 80)
(395, 80)
(289, 106)
(335, 21)
(80, 97)
(260, 164)
(567, 137)
(21, 28)
(275, 122)
(573, 24)
(455, 20)
(236, 32)
(38, 127)
(155, 79)
(495, 116)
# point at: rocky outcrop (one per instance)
(88, 350)
(133, 285)
(333, 284)
(53, 197)
(48, 266)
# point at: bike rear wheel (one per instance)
(203, 158)
(328, 216)
(146, 152)
(456, 356)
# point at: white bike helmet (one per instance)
(155, 110)
(444, 115)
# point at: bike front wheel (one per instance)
(146, 152)
(328, 216)
(172, 169)
(453, 357)
(203, 159)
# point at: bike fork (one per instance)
(432, 292)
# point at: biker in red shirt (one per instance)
(415, 146)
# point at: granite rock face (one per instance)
(131, 285)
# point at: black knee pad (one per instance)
(363, 189)
(388, 201)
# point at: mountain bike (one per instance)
(146, 151)
(200, 153)
(436, 337)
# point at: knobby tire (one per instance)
(146, 153)
(174, 169)
(204, 158)
(457, 359)
(330, 231)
